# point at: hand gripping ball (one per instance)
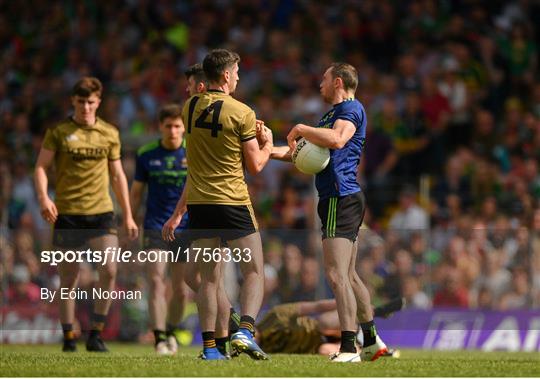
(310, 158)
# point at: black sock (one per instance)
(221, 343)
(234, 321)
(68, 332)
(94, 333)
(209, 340)
(159, 336)
(369, 331)
(170, 329)
(247, 322)
(98, 322)
(348, 340)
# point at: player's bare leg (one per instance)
(224, 325)
(222, 322)
(69, 278)
(373, 347)
(207, 296)
(337, 257)
(364, 309)
(251, 295)
(192, 276)
(157, 304)
(251, 266)
(178, 300)
(106, 282)
(177, 305)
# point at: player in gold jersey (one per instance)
(221, 138)
(86, 153)
(228, 320)
(311, 327)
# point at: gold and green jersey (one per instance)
(81, 157)
(216, 126)
(284, 330)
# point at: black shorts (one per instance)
(73, 231)
(342, 216)
(152, 239)
(228, 222)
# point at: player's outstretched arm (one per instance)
(167, 232)
(120, 188)
(281, 153)
(332, 138)
(319, 306)
(48, 208)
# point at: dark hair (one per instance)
(197, 72)
(87, 86)
(347, 73)
(217, 61)
(169, 110)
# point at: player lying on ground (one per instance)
(310, 327)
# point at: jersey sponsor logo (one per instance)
(72, 137)
(154, 162)
(87, 153)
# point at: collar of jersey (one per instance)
(215, 90)
(72, 119)
(345, 101)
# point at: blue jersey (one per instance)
(165, 172)
(339, 177)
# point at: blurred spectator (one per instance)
(494, 277)
(413, 294)
(289, 275)
(402, 268)
(452, 293)
(309, 280)
(410, 217)
(271, 285)
(518, 297)
(23, 291)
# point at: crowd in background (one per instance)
(451, 165)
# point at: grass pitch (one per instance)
(129, 360)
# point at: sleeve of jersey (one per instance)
(114, 151)
(50, 142)
(353, 115)
(141, 175)
(248, 129)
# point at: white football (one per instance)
(310, 158)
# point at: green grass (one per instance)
(139, 360)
